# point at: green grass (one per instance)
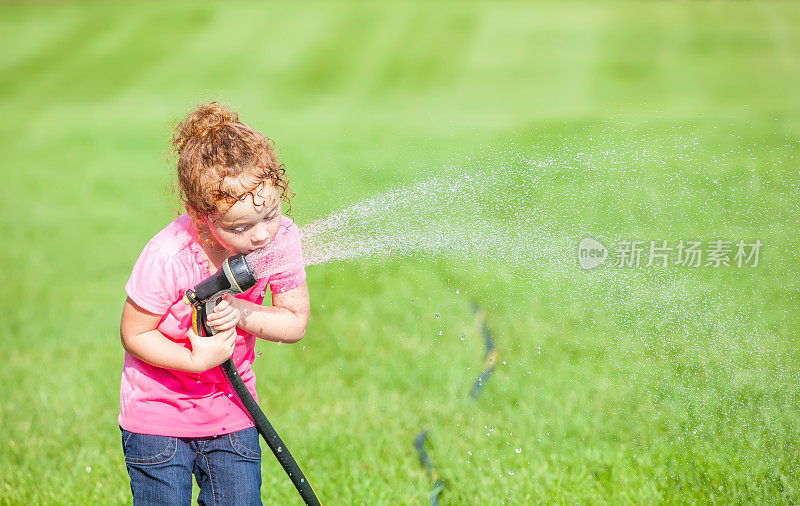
(610, 398)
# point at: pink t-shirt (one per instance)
(167, 402)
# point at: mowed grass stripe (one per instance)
(428, 53)
(226, 57)
(326, 67)
(71, 73)
(24, 42)
(62, 51)
(113, 61)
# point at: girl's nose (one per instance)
(260, 234)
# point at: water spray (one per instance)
(234, 277)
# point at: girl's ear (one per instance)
(200, 225)
(191, 211)
(198, 219)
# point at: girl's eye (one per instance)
(271, 217)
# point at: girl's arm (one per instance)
(284, 322)
(140, 338)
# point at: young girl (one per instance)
(179, 415)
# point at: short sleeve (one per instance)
(153, 284)
(286, 260)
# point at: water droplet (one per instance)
(88, 469)
(518, 450)
(437, 315)
(280, 449)
(259, 353)
(440, 333)
(511, 473)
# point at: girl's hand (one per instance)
(225, 316)
(211, 351)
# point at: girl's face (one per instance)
(249, 224)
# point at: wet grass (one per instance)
(604, 393)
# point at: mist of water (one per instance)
(514, 220)
(501, 220)
(499, 217)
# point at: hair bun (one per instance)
(203, 121)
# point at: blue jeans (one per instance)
(227, 468)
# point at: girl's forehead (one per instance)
(253, 205)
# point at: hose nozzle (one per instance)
(234, 277)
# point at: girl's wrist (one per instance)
(244, 307)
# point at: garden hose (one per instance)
(489, 363)
(490, 359)
(234, 277)
(438, 483)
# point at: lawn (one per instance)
(617, 120)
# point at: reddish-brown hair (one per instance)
(221, 160)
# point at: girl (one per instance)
(179, 416)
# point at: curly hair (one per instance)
(221, 160)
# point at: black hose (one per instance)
(270, 436)
(490, 361)
(425, 460)
(263, 426)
